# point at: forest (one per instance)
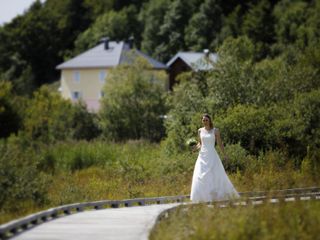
(263, 95)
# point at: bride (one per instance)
(210, 181)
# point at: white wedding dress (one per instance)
(210, 181)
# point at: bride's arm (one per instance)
(219, 141)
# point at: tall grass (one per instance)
(88, 171)
(295, 220)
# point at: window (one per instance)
(75, 95)
(102, 76)
(76, 76)
(101, 94)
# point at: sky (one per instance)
(11, 8)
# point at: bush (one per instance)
(248, 125)
(49, 118)
(297, 123)
(10, 119)
(237, 158)
(84, 124)
(20, 178)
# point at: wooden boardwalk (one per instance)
(126, 219)
(113, 223)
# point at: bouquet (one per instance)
(191, 142)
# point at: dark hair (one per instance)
(210, 121)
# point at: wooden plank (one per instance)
(248, 197)
(112, 223)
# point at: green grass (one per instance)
(294, 220)
(88, 171)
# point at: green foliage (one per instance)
(186, 106)
(249, 125)
(99, 7)
(290, 19)
(171, 32)
(258, 25)
(307, 112)
(237, 158)
(10, 120)
(35, 42)
(133, 105)
(204, 26)
(20, 179)
(84, 124)
(311, 162)
(297, 220)
(151, 15)
(117, 26)
(297, 124)
(231, 26)
(233, 79)
(263, 105)
(50, 118)
(81, 171)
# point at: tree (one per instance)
(231, 26)
(290, 19)
(98, 7)
(258, 25)
(10, 119)
(187, 103)
(172, 30)
(232, 81)
(133, 105)
(204, 26)
(151, 17)
(48, 117)
(249, 125)
(35, 42)
(117, 26)
(84, 124)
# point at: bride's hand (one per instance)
(196, 147)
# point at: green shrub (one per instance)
(10, 119)
(20, 178)
(248, 125)
(237, 158)
(297, 123)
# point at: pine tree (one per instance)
(204, 26)
(172, 30)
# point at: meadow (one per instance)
(294, 220)
(79, 171)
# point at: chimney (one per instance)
(106, 42)
(131, 41)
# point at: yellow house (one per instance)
(84, 76)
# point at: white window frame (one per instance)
(102, 76)
(76, 76)
(101, 94)
(76, 95)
